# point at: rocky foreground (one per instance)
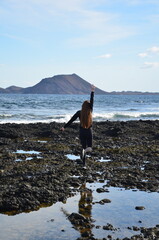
(30, 180)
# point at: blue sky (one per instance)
(113, 44)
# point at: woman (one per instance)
(85, 117)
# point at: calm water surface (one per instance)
(51, 223)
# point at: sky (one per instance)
(113, 44)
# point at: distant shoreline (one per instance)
(108, 93)
(66, 84)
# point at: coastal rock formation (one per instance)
(35, 170)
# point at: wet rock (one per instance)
(136, 228)
(76, 218)
(86, 234)
(132, 147)
(150, 233)
(139, 207)
(113, 132)
(103, 201)
(101, 190)
(98, 227)
(109, 237)
(109, 227)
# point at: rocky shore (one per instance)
(35, 170)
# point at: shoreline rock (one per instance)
(26, 185)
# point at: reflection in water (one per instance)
(104, 160)
(27, 159)
(50, 223)
(22, 152)
(73, 157)
(82, 221)
(85, 209)
(27, 152)
(85, 202)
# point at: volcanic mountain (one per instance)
(65, 84)
(62, 84)
(59, 84)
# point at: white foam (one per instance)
(125, 115)
(97, 116)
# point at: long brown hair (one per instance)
(86, 115)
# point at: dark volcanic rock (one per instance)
(76, 218)
(105, 200)
(139, 208)
(48, 176)
(113, 132)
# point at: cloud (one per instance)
(108, 55)
(103, 34)
(148, 53)
(142, 55)
(153, 49)
(151, 65)
(100, 28)
(86, 26)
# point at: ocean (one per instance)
(46, 108)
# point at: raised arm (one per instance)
(92, 96)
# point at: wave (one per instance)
(28, 118)
(2, 116)
(62, 118)
(126, 116)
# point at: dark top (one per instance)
(78, 113)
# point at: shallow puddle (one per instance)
(77, 157)
(42, 140)
(52, 223)
(27, 152)
(73, 157)
(104, 160)
(27, 159)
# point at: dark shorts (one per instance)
(86, 137)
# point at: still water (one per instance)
(51, 223)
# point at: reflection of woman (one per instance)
(85, 202)
(85, 116)
(85, 209)
(82, 221)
